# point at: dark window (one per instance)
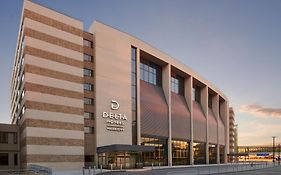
(88, 58)
(88, 86)
(88, 43)
(3, 137)
(88, 130)
(88, 72)
(150, 73)
(210, 100)
(199, 153)
(88, 101)
(15, 159)
(177, 85)
(212, 154)
(88, 115)
(4, 159)
(196, 94)
(15, 136)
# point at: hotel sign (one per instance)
(114, 121)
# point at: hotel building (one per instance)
(104, 97)
(233, 139)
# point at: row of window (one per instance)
(88, 86)
(88, 72)
(148, 73)
(4, 159)
(88, 130)
(88, 43)
(88, 101)
(4, 137)
(88, 58)
(88, 115)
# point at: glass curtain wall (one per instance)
(222, 154)
(212, 154)
(134, 94)
(199, 153)
(160, 154)
(180, 152)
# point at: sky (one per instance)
(235, 44)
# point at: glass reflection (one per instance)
(199, 153)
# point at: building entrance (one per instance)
(122, 156)
(120, 160)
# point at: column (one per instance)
(215, 105)
(138, 99)
(166, 85)
(188, 97)
(204, 104)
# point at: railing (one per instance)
(220, 168)
(196, 169)
(39, 169)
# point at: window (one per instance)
(23, 93)
(88, 72)
(210, 100)
(22, 61)
(196, 94)
(4, 159)
(88, 58)
(15, 159)
(88, 115)
(134, 93)
(177, 85)
(88, 101)
(3, 137)
(180, 152)
(23, 110)
(15, 137)
(151, 73)
(22, 78)
(88, 43)
(88, 86)
(174, 85)
(88, 130)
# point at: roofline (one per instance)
(55, 10)
(208, 83)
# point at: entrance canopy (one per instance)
(121, 147)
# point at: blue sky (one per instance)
(234, 44)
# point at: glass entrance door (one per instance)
(115, 160)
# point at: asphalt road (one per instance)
(189, 171)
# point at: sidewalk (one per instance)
(190, 169)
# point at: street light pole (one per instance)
(273, 148)
(279, 154)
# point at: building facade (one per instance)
(9, 146)
(233, 136)
(104, 97)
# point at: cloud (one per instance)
(257, 133)
(261, 111)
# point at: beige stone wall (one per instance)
(112, 67)
(113, 47)
(52, 127)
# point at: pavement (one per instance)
(266, 171)
(202, 170)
